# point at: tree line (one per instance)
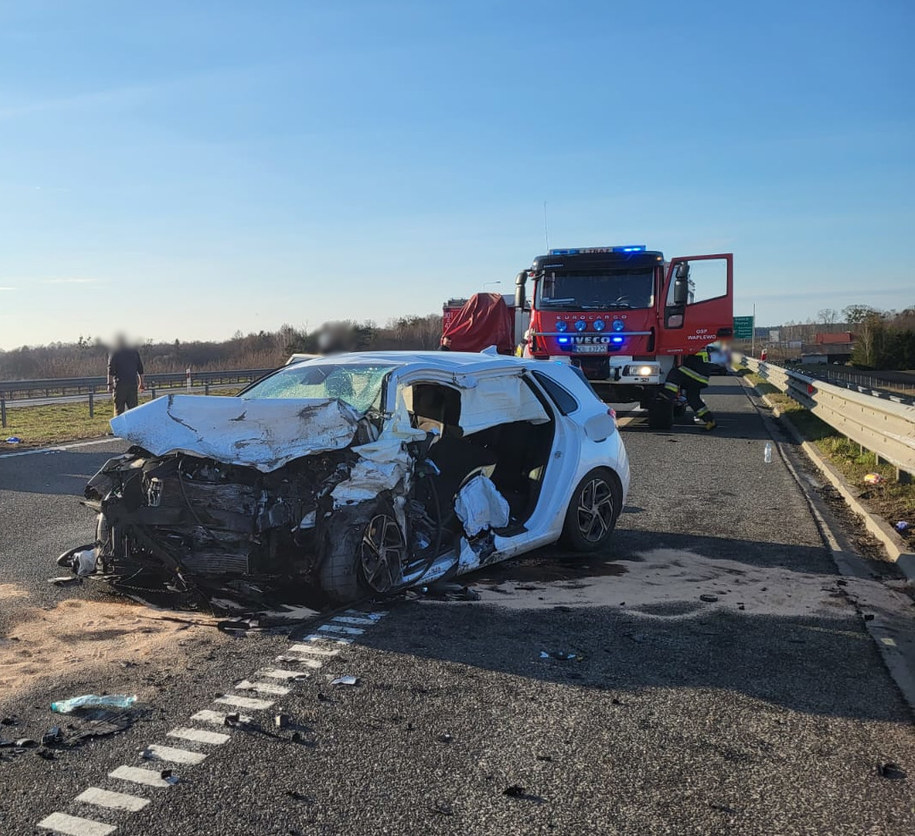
(262, 350)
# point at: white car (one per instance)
(361, 474)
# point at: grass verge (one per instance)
(890, 499)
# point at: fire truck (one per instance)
(621, 314)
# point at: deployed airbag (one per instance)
(480, 506)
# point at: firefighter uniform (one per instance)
(692, 377)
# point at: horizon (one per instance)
(187, 173)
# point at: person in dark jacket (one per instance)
(692, 377)
(125, 376)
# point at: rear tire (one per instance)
(593, 511)
(660, 414)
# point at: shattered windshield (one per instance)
(596, 290)
(360, 386)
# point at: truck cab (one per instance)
(623, 314)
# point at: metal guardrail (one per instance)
(59, 387)
(13, 391)
(880, 424)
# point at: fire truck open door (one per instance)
(698, 303)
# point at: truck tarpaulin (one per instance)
(484, 320)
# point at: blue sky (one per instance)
(190, 169)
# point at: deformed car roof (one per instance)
(445, 360)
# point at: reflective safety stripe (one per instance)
(694, 375)
(701, 412)
(703, 355)
(671, 387)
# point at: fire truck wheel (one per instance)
(593, 511)
(660, 414)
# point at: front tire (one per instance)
(367, 557)
(593, 511)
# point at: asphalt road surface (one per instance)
(724, 678)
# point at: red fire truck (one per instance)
(622, 314)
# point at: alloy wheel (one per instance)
(595, 510)
(382, 553)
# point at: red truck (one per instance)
(621, 314)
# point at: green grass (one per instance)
(891, 499)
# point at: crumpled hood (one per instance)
(263, 434)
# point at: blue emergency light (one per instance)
(631, 248)
(618, 325)
(616, 340)
(562, 340)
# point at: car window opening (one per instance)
(512, 454)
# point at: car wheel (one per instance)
(660, 414)
(368, 557)
(593, 511)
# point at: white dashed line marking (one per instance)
(199, 736)
(112, 800)
(138, 775)
(155, 752)
(339, 628)
(314, 649)
(262, 688)
(375, 616)
(282, 673)
(314, 637)
(352, 619)
(217, 718)
(244, 702)
(75, 826)
(300, 660)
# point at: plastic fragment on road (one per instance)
(874, 478)
(13, 439)
(902, 525)
(345, 680)
(66, 580)
(93, 701)
(561, 655)
(480, 506)
(84, 562)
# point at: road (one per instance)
(764, 707)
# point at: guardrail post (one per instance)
(903, 477)
(2, 412)
(206, 388)
(91, 403)
(152, 392)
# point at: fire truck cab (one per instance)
(624, 316)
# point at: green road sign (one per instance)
(743, 327)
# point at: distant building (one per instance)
(841, 338)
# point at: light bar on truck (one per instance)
(631, 248)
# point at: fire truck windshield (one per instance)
(595, 290)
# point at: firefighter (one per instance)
(692, 377)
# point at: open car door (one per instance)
(699, 303)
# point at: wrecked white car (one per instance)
(358, 474)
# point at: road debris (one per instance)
(561, 655)
(93, 701)
(873, 479)
(891, 771)
(344, 680)
(708, 598)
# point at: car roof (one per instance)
(463, 361)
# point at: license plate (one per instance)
(589, 349)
